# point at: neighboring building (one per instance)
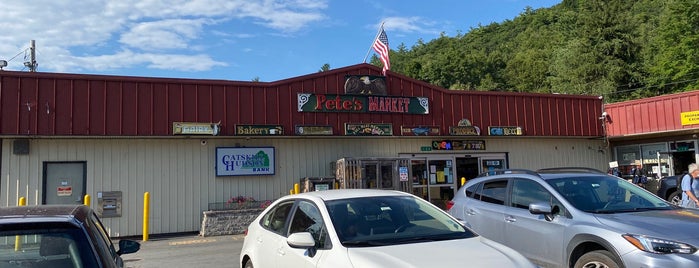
(190, 143)
(649, 131)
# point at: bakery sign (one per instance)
(329, 103)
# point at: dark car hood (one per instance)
(676, 224)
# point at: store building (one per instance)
(190, 143)
(655, 130)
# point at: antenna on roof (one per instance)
(31, 64)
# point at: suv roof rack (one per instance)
(569, 169)
(507, 171)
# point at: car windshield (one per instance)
(389, 220)
(606, 194)
(55, 247)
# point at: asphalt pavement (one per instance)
(186, 251)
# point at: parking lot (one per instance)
(186, 251)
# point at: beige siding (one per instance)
(179, 173)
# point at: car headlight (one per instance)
(659, 246)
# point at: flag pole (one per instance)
(372, 41)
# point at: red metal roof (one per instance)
(651, 115)
(50, 104)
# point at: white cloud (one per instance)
(130, 59)
(163, 34)
(112, 34)
(410, 25)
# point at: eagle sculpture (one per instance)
(363, 85)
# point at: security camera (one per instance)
(203, 142)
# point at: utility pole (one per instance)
(31, 64)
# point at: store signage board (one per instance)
(244, 161)
(191, 128)
(464, 131)
(419, 131)
(505, 131)
(313, 130)
(477, 145)
(330, 103)
(368, 129)
(259, 130)
(689, 118)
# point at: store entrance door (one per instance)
(441, 182)
(681, 160)
(437, 177)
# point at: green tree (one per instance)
(324, 68)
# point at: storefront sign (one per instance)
(235, 161)
(690, 118)
(361, 104)
(314, 130)
(259, 130)
(505, 131)
(419, 131)
(464, 131)
(368, 129)
(459, 145)
(185, 128)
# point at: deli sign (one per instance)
(362, 104)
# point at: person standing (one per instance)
(690, 187)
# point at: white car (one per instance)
(364, 229)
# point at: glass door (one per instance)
(441, 181)
(418, 169)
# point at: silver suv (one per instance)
(578, 217)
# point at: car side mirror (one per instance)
(128, 247)
(543, 208)
(302, 240)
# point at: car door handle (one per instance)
(510, 219)
(281, 251)
(470, 212)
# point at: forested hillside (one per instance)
(613, 48)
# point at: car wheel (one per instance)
(675, 198)
(597, 259)
(248, 264)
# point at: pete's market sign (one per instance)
(241, 161)
(362, 104)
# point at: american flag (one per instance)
(381, 46)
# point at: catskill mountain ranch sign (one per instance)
(239, 161)
(362, 104)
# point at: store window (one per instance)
(627, 157)
(652, 154)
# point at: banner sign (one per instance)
(505, 131)
(464, 131)
(240, 161)
(459, 145)
(328, 103)
(368, 129)
(259, 130)
(187, 128)
(419, 131)
(314, 130)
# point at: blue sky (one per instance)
(227, 39)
